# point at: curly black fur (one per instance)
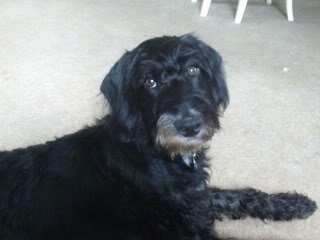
(140, 172)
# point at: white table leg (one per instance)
(289, 10)
(269, 2)
(205, 8)
(240, 10)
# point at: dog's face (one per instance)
(171, 89)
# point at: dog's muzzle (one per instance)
(183, 135)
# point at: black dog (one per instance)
(140, 172)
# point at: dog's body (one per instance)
(140, 172)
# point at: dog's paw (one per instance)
(296, 206)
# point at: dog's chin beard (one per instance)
(179, 146)
(175, 144)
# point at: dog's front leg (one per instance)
(238, 204)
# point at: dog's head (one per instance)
(168, 90)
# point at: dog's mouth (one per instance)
(182, 136)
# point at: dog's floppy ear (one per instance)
(116, 88)
(220, 89)
(113, 84)
(215, 71)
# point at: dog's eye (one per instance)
(150, 83)
(193, 71)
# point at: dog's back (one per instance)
(44, 187)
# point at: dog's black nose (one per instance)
(188, 127)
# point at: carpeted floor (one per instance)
(55, 53)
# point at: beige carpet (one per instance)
(55, 53)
